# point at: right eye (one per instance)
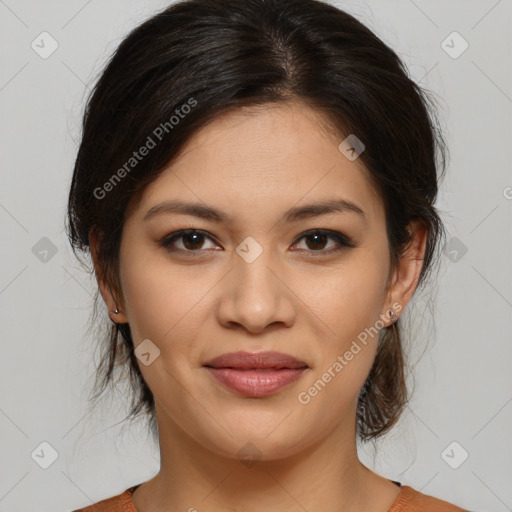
(192, 240)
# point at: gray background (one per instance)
(463, 383)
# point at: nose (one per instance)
(256, 295)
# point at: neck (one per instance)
(326, 475)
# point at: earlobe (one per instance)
(406, 275)
(115, 314)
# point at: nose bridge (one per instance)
(254, 281)
(255, 297)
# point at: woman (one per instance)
(256, 185)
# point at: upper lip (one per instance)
(248, 360)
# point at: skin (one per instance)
(254, 165)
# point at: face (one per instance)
(264, 273)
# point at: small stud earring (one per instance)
(393, 316)
(116, 312)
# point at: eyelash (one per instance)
(343, 241)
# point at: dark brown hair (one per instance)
(218, 56)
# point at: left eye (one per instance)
(192, 240)
(319, 237)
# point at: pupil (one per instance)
(317, 236)
(193, 245)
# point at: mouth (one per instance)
(256, 374)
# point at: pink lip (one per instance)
(256, 374)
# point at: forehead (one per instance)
(262, 160)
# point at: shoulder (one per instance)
(120, 503)
(410, 500)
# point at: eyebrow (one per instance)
(293, 214)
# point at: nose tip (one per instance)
(256, 299)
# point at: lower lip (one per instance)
(256, 383)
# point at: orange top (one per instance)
(408, 500)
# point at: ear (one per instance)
(109, 298)
(405, 278)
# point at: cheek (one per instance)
(350, 297)
(143, 299)
(349, 303)
(160, 308)
(161, 300)
(148, 294)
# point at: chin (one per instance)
(261, 440)
(250, 450)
